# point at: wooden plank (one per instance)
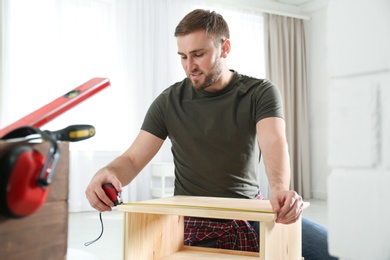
(44, 234)
(221, 251)
(280, 242)
(59, 188)
(213, 202)
(152, 236)
(198, 253)
(212, 207)
(197, 212)
(40, 236)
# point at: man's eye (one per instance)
(183, 57)
(199, 55)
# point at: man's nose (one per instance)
(191, 65)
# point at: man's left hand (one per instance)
(288, 205)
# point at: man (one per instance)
(218, 121)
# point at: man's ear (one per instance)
(225, 48)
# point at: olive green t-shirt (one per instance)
(213, 134)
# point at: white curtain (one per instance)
(53, 46)
(286, 67)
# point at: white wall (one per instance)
(349, 86)
(83, 165)
(358, 43)
(318, 88)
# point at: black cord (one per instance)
(93, 241)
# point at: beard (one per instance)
(210, 78)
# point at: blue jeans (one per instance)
(314, 240)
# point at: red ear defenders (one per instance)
(25, 173)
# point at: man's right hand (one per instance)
(96, 195)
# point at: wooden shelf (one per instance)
(199, 253)
(154, 229)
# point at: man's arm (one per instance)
(271, 136)
(123, 169)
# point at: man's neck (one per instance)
(222, 82)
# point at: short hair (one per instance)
(211, 22)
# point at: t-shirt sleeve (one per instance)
(268, 101)
(154, 121)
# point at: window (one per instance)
(53, 46)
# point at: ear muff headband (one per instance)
(32, 133)
(25, 174)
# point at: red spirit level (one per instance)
(58, 106)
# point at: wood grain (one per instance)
(44, 234)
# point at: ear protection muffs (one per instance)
(25, 173)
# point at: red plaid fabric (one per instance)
(230, 234)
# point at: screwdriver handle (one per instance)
(73, 133)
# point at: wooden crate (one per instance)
(44, 234)
(154, 229)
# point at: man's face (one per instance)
(200, 59)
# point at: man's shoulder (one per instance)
(247, 83)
